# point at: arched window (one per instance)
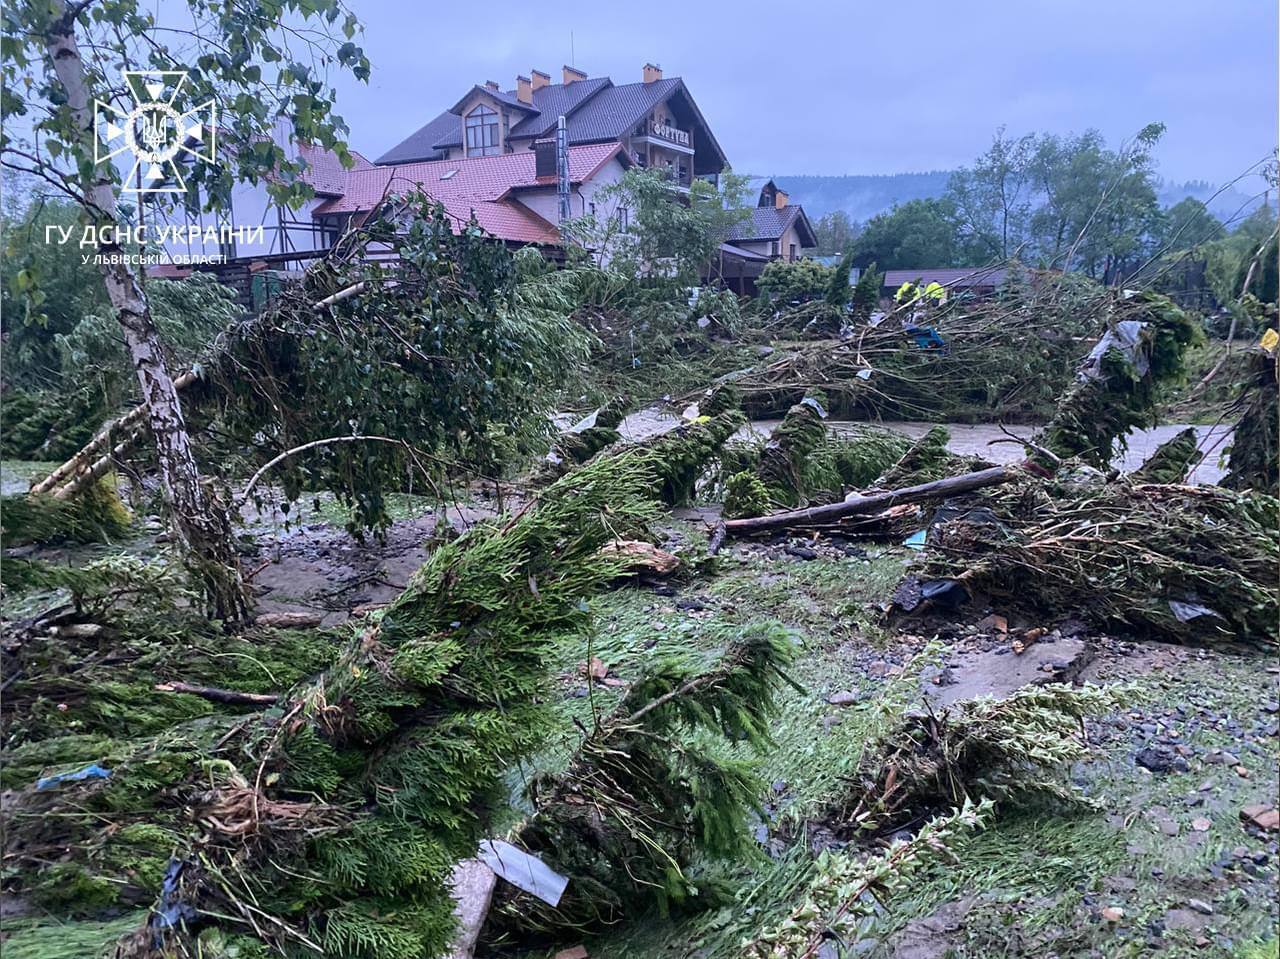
(482, 132)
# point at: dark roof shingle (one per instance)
(955, 278)
(553, 100)
(614, 111)
(595, 111)
(765, 223)
(421, 144)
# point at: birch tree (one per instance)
(57, 58)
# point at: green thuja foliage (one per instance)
(846, 893)
(682, 455)
(837, 294)
(95, 513)
(1172, 460)
(853, 458)
(721, 398)
(803, 462)
(784, 458)
(866, 293)
(1117, 388)
(651, 786)
(573, 447)
(985, 749)
(745, 495)
(1254, 458)
(925, 460)
(330, 821)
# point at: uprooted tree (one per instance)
(80, 46)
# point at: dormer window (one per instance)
(482, 132)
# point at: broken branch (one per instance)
(861, 505)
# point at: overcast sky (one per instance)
(842, 87)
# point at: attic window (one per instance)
(447, 174)
(482, 132)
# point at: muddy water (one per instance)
(980, 439)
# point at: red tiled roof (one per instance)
(325, 172)
(480, 184)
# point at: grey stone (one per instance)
(998, 674)
(471, 885)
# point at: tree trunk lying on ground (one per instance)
(817, 516)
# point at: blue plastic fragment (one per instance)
(926, 337)
(171, 911)
(916, 540)
(814, 405)
(92, 771)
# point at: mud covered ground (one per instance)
(1161, 863)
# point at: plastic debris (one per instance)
(944, 592)
(92, 771)
(523, 870)
(171, 911)
(1186, 612)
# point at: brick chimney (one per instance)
(572, 74)
(490, 85)
(781, 199)
(540, 79)
(652, 73)
(524, 90)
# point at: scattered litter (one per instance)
(524, 871)
(1186, 612)
(916, 540)
(172, 911)
(944, 592)
(92, 771)
(814, 405)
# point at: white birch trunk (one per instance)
(199, 520)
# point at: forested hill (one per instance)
(863, 196)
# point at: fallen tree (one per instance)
(330, 821)
(1179, 563)
(648, 787)
(819, 516)
(455, 358)
(1116, 388)
(1007, 358)
(1253, 461)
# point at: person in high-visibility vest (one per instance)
(908, 293)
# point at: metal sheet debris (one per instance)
(523, 870)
